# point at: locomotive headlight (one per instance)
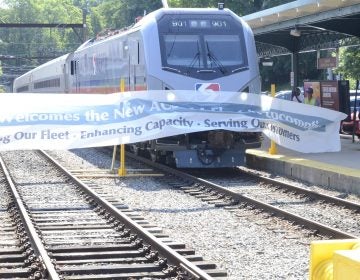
(204, 23)
(243, 96)
(197, 23)
(171, 96)
(266, 102)
(193, 23)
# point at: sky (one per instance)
(2, 5)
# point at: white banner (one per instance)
(66, 121)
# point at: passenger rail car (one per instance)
(180, 49)
(51, 77)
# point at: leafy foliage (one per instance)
(118, 14)
(104, 14)
(349, 66)
(239, 7)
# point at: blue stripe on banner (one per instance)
(137, 108)
(83, 120)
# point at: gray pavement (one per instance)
(337, 170)
(349, 156)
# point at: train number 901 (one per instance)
(178, 23)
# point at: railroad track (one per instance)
(80, 235)
(325, 215)
(263, 194)
(17, 258)
(257, 196)
(254, 214)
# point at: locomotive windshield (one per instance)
(202, 48)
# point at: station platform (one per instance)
(336, 170)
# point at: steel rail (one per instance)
(318, 228)
(315, 195)
(29, 227)
(171, 255)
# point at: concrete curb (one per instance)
(314, 172)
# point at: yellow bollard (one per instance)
(356, 246)
(273, 148)
(333, 259)
(324, 271)
(346, 265)
(122, 170)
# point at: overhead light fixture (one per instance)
(267, 62)
(295, 32)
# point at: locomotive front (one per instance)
(201, 50)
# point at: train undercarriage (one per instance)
(209, 149)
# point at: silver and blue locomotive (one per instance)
(169, 49)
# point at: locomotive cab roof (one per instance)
(155, 15)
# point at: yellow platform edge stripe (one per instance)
(309, 163)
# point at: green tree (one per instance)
(349, 64)
(239, 7)
(119, 14)
(40, 42)
(44, 43)
(103, 14)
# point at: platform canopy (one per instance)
(306, 25)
